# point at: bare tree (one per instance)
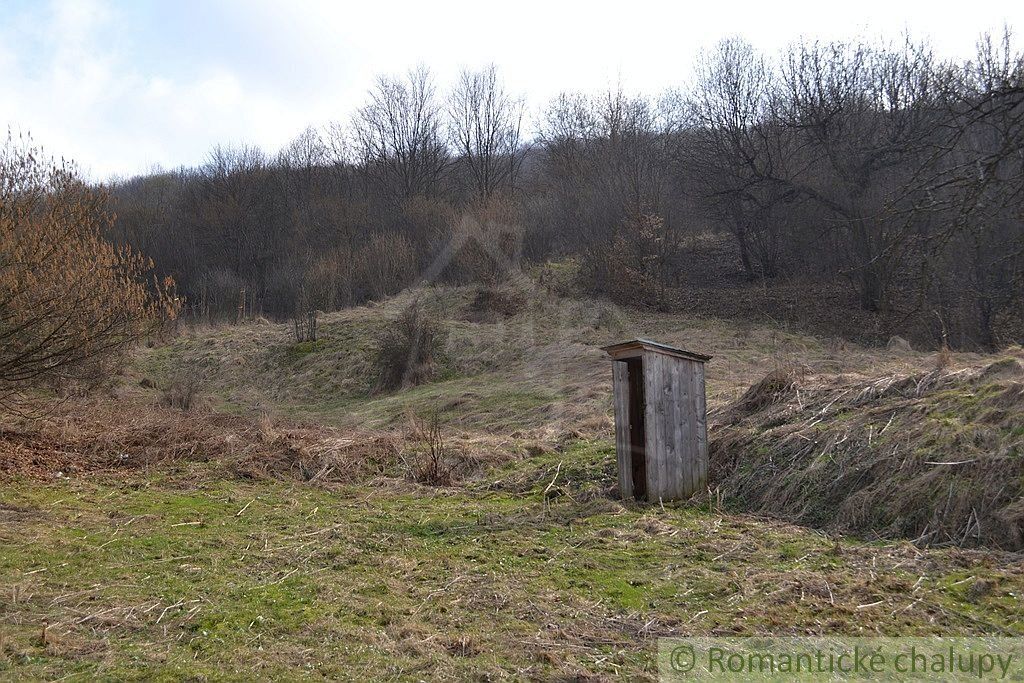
(399, 135)
(865, 115)
(976, 244)
(234, 210)
(611, 180)
(736, 150)
(486, 124)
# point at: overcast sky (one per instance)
(121, 87)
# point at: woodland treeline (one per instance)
(876, 165)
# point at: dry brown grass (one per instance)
(493, 303)
(408, 351)
(103, 435)
(182, 392)
(933, 456)
(539, 372)
(777, 385)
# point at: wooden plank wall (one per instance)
(620, 388)
(662, 456)
(676, 426)
(702, 428)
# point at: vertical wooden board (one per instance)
(692, 368)
(678, 465)
(653, 421)
(691, 427)
(670, 446)
(620, 389)
(702, 427)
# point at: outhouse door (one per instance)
(630, 427)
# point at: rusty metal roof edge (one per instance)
(658, 347)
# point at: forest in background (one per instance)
(879, 169)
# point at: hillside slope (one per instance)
(866, 440)
(537, 369)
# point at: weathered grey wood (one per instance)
(620, 389)
(638, 346)
(674, 453)
(655, 464)
(702, 430)
(695, 397)
(682, 401)
(666, 413)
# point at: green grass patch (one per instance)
(184, 574)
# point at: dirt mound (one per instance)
(777, 385)
(494, 303)
(937, 457)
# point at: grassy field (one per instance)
(186, 574)
(543, 365)
(278, 530)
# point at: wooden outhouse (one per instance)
(661, 437)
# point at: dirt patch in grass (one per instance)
(493, 303)
(937, 456)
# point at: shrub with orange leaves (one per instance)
(70, 300)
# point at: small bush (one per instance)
(431, 466)
(71, 301)
(409, 351)
(181, 393)
(495, 301)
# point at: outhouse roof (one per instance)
(648, 345)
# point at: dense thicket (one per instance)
(69, 299)
(879, 166)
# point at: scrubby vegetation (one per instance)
(409, 351)
(933, 456)
(379, 443)
(298, 521)
(71, 301)
(193, 574)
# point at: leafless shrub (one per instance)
(305, 327)
(386, 264)
(486, 242)
(70, 300)
(182, 392)
(409, 351)
(431, 465)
